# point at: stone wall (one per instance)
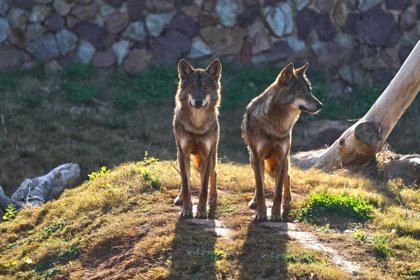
(357, 41)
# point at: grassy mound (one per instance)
(122, 225)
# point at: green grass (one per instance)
(78, 71)
(331, 205)
(79, 92)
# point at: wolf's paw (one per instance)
(201, 215)
(261, 217)
(186, 214)
(178, 201)
(252, 204)
(275, 218)
(213, 202)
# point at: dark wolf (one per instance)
(267, 129)
(196, 129)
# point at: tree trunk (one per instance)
(358, 145)
(33, 192)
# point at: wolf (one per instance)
(196, 129)
(267, 128)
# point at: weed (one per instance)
(8, 81)
(32, 101)
(380, 246)
(79, 92)
(215, 255)
(126, 101)
(147, 160)
(411, 275)
(67, 255)
(360, 236)
(300, 257)
(48, 230)
(79, 71)
(324, 204)
(151, 180)
(104, 170)
(10, 212)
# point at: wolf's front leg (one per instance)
(258, 167)
(184, 164)
(278, 189)
(202, 200)
(213, 182)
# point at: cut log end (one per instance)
(368, 133)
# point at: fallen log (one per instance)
(35, 191)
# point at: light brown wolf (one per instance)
(266, 129)
(196, 128)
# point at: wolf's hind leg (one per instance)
(287, 194)
(280, 172)
(184, 163)
(202, 200)
(258, 167)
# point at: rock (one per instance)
(351, 74)
(329, 54)
(135, 31)
(185, 24)
(11, 57)
(99, 20)
(84, 2)
(302, 4)
(279, 18)
(351, 22)
(398, 4)
(137, 60)
(39, 13)
(85, 12)
(120, 50)
(365, 5)
(249, 15)
(168, 48)
(324, 6)
(374, 20)
(408, 20)
(205, 20)
(44, 48)
(104, 59)
(390, 56)
(85, 52)
(23, 4)
(324, 28)
(135, 9)
(305, 22)
(62, 7)
(35, 191)
(223, 41)
(405, 50)
(71, 22)
(297, 45)
(43, 1)
(199, 49)
(116, 22)
(17, 18)
(67, 41)
(344, 40)
(226, 12)
(91, 32)
(279, 51)
(4, 29)
(383, 75)
(259, 37)
(418, 13)
(110, 39)
(115, 3)
(160, 5)
(4, 7)
(34, 31)
(106, 10)
(17, 37)
(340, 13)
(55, 23)
(157, 22)
(52, 67)
(405, 167)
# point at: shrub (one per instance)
(8, 81)
(10, 212)
(78, 92)
(78, 71)
(126, 101)
(380, 246)
(324, 204)
(104, 170)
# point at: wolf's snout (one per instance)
(319, 106)
(198, 103)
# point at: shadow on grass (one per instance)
(264, 253)
(193, 250)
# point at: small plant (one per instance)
(104, 170)
(300, 257)
(324, 204)
(126, 101)
(79, 71)
(215, 255)
(10, 212)
(48, 230)
(32, 101)
(152, 181)
(360, 236)
(380, 246)
(78, 92)
(147, 160)
(8, 81)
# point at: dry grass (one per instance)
(120, 226)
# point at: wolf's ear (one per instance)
(184, 68)
(215, 69)
(302, 70)
(287, 74)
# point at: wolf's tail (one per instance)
(270, 166)
(196, 161)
